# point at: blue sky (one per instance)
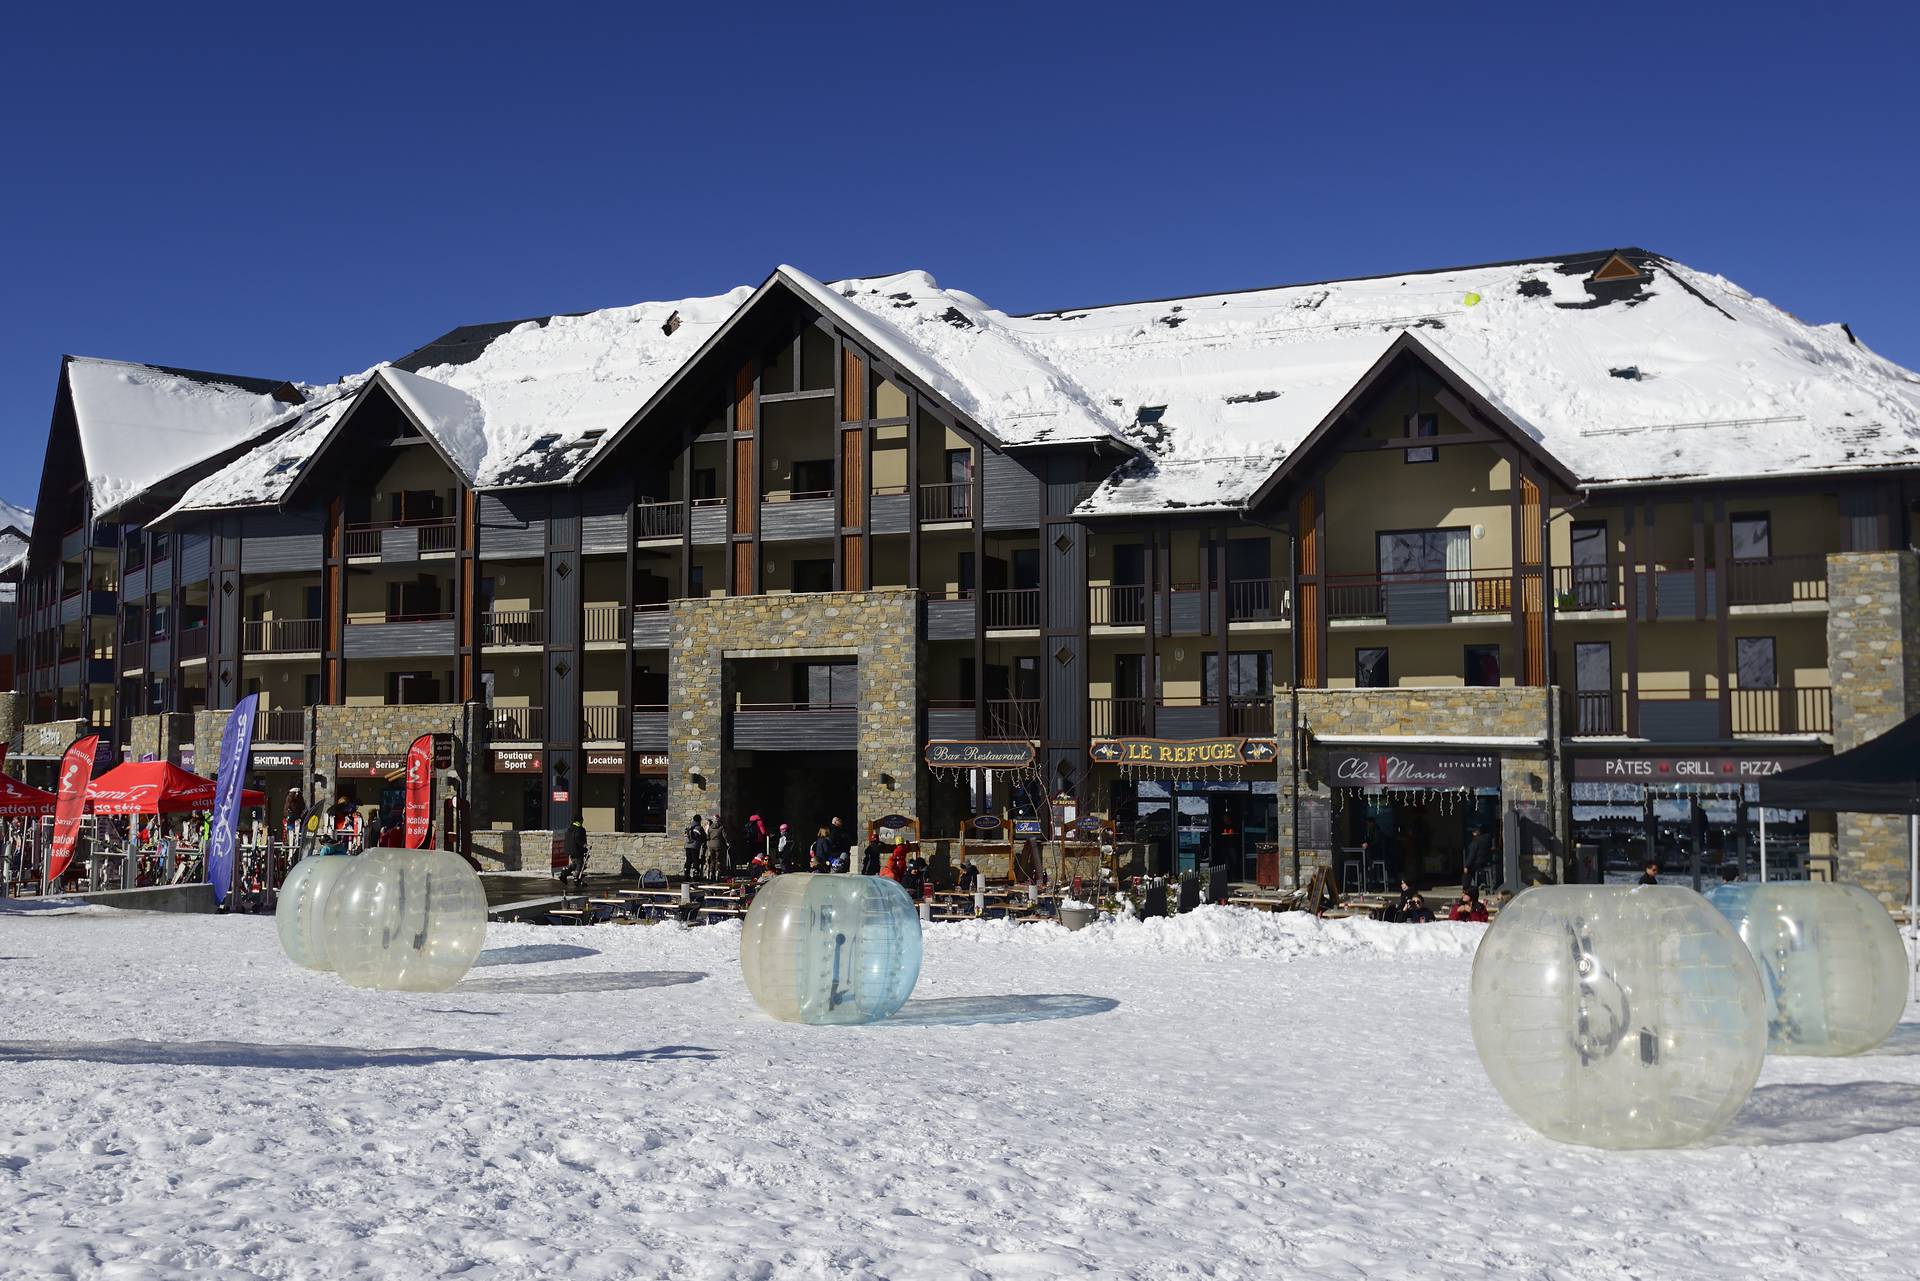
(301, 191)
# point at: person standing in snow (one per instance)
(1479, 855)
(695, 848)
(872, 857)
(719, 849)
(841, 836)
(784, 853)
(820, 857)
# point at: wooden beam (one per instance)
(1516, 609)
(1420, 442)
(1631, 576)
(1723, 564)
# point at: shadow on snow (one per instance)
(533, 954)
(960, 1011)
(242, 1054)
(566, 984)
(1823, 1113)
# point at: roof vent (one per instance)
(672, 325)
(1616, 268)
(1150, 414)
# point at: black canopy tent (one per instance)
(1881, 776)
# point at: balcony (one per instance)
(658, 520)
(401, 540)
(1258, 600)
(794, 727)
(1800, 710)
(603, 625)
(709, 518)
(1120, 605)
(1012, 718)
(797, 514)
(952, 718)
(280, 725)
(500, 628)
(946, 501)
(400, 636)
(264, 637)
(602, 723)
(1592, 712)
(192, 643)
(1586, 589)
(1248, 715)
(652, 625)
(133, 655)
(1422, 598)
(1686, 718)
(649, 724)
(950, 616)
(517, 724)
(1781, 580)
(1017, 607)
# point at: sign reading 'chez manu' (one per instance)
(1183, 753)
(984, 754)
(1412, 769)
(1656, 769)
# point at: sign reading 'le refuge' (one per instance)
(1183, 753)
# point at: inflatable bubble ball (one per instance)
(406, 920)
(830, 948)
(1618, 1017)
(300, 914)
(1831, 963)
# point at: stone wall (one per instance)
(157, 736)
(372, 731)
(50, 738)
(14, 710)
(531, 853)
(1873, 659)
(1528, 775)
(878, 628)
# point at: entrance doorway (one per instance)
(804, 790)
(1387, 836)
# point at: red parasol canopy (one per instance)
(156, 787)
(17, 800)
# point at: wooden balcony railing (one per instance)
(279, 635)
(517, 724)
(603, 623)
(1592, 712)
(1115, 717)
(439, 535)
(1013, 718)
(947, 501)
(280, 725)
(1014, 607)
(599, 722)
(1792, 710)
(1120, 605)
(1780, 580)
(513, 627)
(658, 520)
(1257, 600)
(193, 642)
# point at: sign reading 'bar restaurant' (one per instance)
(984, 754)
(1183, 753)
(1378, 769)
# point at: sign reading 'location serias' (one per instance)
(1184, 753)
(1391, 770)
(983, 754)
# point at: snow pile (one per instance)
(139, 424)
(1225, 933)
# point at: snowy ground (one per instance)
(1227, 1095)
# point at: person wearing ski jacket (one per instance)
(872, 857)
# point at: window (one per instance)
(1752, 536)
(1370, 669)
(814, 476)
(1249, 676)
(826, 684)
(1483, 665)
(1026, 567)
(1592, 587)
(965, 574)
(706, 483)
(1754, 663)
(696, 580)
(1026, 677)
(410, 688)
(1420, 425)
(1593, 687)
(813, 575)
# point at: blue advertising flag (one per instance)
(235, 741)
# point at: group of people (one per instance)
(1411, 907)
(339, 828)
(711, 851)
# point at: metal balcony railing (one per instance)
(603, 722)
(947, 501)
(280, 635)
(517, 724)
(513, 627)
(1015, 607)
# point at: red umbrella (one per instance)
(156, 787)
(17, 800)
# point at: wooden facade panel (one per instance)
(853, 387)
(281, 553)
(196, 557)
(400, 640)
(512, 525)
(1307, 608)
(853, 479)
(1533, 602)
(1010, 494)
(743, 584)
(853, 563)
(808, 518)
(799, 730)
(746, 487)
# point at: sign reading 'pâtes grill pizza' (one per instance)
(1185, 753)
(1682, 769)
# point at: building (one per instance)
(1574, 547)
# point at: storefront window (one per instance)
(1370, 669)
(1754, 662)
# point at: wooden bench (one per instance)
(566, 916)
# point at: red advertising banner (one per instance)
(76, 771)
(419, 803)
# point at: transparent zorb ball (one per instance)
(406, 920)
(1831, 963)
(1618, 1017)
(830, 948)
(300, 914)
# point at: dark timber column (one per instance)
(1516, 586)
(1723, 646)
(1063, 625)
(564, 774)
(625, 719)
(1631, 579)
(978, 512)
(1532, 578)
(466, 594)
(1308, 602)
(1151, 691)
(743, 578)
(1217, 545)
(333, 607)
(225, 601)
(854, 453)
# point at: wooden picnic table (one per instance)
(570, 915)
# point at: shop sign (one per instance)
(1427, 770)
(650, 763)
(607, 761)
(277, 758)
(983, 754)
(985, 824)
(366, 766)
(893, 822)
(186, 754)
(1656, 769)
(560, 798)
(518, 760)
(1029, 827)
(1182, 753)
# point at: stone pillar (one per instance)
(1873, 660)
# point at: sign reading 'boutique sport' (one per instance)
(1378, 769)
(1189, 753)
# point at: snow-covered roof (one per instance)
(968, 353)
(139, 424)
(261, 476)
(1680, 374)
